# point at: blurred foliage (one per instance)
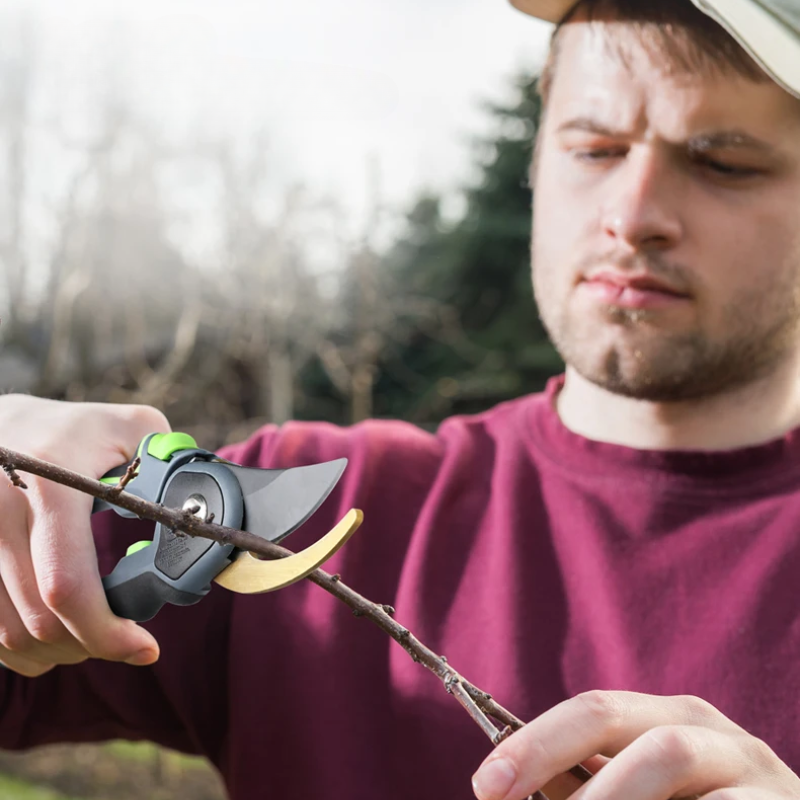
(118, 770)
(22, 790)
(442, 321)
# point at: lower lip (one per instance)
(628, 297)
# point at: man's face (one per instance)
(666, 245)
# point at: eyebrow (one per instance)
(715, 140)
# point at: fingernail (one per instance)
(142, 658)
(493, 780)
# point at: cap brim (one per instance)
(772, 44)
(548, 10)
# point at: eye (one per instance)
(598, 154)
(727, 170)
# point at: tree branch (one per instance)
(478, 704)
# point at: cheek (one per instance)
(749, 252)
(564, 220)
(551, 202)
(554, 249)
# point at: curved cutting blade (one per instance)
(278, 501)
(251, 575)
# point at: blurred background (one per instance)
(250, 211)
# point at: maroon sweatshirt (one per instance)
(541, 564)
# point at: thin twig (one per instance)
(130, 473)
(455, 686)
(490, 706)
(14, 478)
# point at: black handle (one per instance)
(175, 568)
(136, 591)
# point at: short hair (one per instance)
(673, 30)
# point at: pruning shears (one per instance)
(178, 569)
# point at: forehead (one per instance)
(618, 70)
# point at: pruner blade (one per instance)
(251, 575)
(278, 501)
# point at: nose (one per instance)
(643, 205)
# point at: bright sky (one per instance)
(332, 84)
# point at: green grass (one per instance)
(145, 751)
(22, 790)
(128, 762)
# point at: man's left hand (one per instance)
(646, 748)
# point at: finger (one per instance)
(595, 763)
(125, 427)
(587, 725)
(14, 636)
(116, 431)
(681, 761)
(65, 563)
(27, 626)
(17, 640)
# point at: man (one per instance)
(615, 559)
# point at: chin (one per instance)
(661, 380)
(646, 389)
(643, 370)
(615, 377)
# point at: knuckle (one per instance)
(672, 748)
(698, 711)
(606, 707)
(58, 589)
(15, 638)
(761, 755)
(142, 416)
(157, 419)
(45, 628)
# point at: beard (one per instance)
(635, 353)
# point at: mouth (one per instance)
(631, 291)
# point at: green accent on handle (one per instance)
(135, 548)
(111, 481)
(163, 445)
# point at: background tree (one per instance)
(482, 341)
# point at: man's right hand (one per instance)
(53, 608)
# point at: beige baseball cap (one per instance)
(769, 30)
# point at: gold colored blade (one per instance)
(251, 575)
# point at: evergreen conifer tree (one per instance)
(487, 344)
